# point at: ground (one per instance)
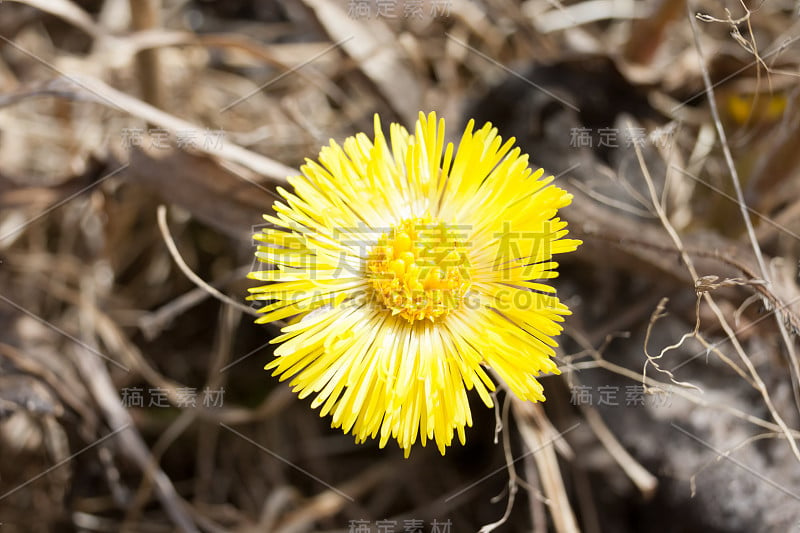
(142, 140)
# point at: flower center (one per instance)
(419, 269)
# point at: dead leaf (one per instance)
(372, 45)
(229, 201)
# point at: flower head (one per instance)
(408, 267)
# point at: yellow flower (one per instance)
(408, 267)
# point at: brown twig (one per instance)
(197, 280)
(146, 15)
(102, 388)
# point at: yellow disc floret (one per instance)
(419, 269)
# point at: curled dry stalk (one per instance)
(513, 479)
(197, 280)
(542, 440)
(710, 282)
(712, 304)
(751, 234)
(598, 361)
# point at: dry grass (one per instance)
(138, 150)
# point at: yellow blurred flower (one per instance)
(408, 266)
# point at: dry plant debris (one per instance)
(140, 141)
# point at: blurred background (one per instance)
(141, 140)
